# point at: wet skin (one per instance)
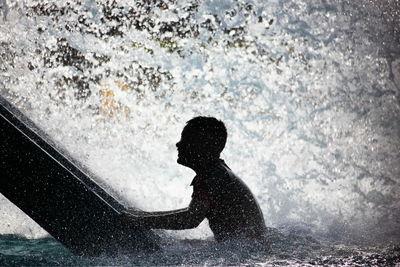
(218, 195)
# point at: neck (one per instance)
(204, 165)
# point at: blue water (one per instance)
(309, 91)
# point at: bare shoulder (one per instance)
(220, 170)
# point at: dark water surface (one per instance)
(288, 250)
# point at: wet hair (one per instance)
(210, 131)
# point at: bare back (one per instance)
(233, 210)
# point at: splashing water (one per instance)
(309, 91)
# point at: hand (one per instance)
(128, 219)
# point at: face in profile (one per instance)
(190, 148)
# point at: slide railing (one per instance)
(58, 193)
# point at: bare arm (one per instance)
(186, 218)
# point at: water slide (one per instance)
(57, 192)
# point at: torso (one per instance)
(234, 211)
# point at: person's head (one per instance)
(202, 141)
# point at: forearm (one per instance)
(155, 213)
(173, 220)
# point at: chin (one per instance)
(179, 160)
(182, 161)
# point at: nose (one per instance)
(178, 144)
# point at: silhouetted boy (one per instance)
(218, 194)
